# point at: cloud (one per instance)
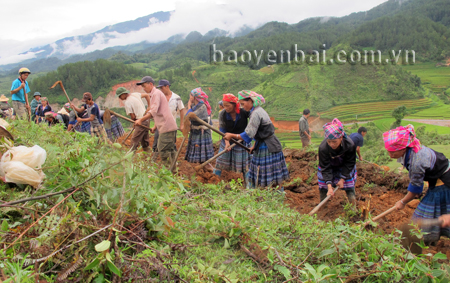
(229, 15)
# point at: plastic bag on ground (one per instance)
(31, 156)
(21, 165)
(19, 173)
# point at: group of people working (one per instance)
(263, 164)
(244, 121)
(337, 169)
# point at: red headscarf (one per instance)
(233, 99)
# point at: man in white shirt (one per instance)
(135, 108)
(175, 104)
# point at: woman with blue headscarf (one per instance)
(337, 162)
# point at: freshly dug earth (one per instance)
(376, 190)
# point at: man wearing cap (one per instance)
(135, 109)
(35, 104)
(303, 127)
(19, 91)
(93, 116)
(175, 104)
(165, 123)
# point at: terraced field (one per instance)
(373, 110)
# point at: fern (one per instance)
(66, 272)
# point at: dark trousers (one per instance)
(155, 142)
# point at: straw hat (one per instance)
(3, 98)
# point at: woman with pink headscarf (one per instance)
(423, 164)
(337, 162)
(200, 145)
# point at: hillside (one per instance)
(102, 215)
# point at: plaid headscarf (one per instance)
(202, 97)
(228, 97)
(334, 130)
(67, 105)
(401, 138)
(258, 99)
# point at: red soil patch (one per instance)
(375, 188)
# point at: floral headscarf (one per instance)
(202, 97)
(258, 99)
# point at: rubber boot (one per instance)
(218, 172)
(351, 196)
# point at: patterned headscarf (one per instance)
(67, 106)
(258, 99)
(228, 97)
(401, 138)
(202, 97)
(334, 130)
(50, 114)
(44, 99)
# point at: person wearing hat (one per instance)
(35, 104)
(423, 164)
(268, 166)
(5, 109)
(93, 116)
(165, 123)
(135, 108)
(56, 118)
(19, 91)
(337, 162)
(43, 108)
(176, 106)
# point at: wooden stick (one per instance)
(172, 166)
(213, 158)
(322, 203)
(62, 87)
(192, 116)
(390, 210)
(127, 119)
(128, 136)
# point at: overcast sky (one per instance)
(26, 23)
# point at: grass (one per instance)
(435, 78)
(373, 110)
(438, 112)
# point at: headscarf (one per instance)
(67, 106)
(258, 99)
(44, 99)
(228, 97)
(51, 114)
(202, 97)
(401, 138)
(334, 130)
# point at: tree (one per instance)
(398, 113)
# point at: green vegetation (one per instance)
(374, 110)
(192, 231)
(436, 78)
(384, 125)
(95, 77)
